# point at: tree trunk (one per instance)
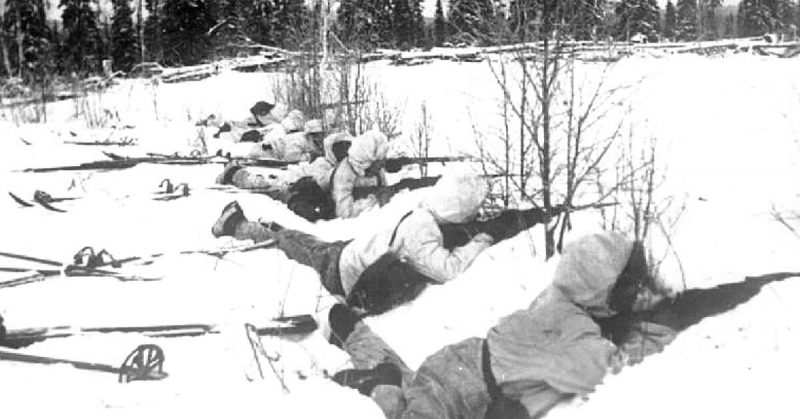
(140, 27)
(20, 46)
(4, 47)
(549, 232)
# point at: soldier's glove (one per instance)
(483, 237)
(251, 136)
(392, 166)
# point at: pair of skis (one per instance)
(45, 200)
(42, 198)
(87, 262)
(117, 162)
(286, 325)
(146, 361)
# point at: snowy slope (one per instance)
(729, 131)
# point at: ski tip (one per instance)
(289, 325)
(45, 204)
(19, 200)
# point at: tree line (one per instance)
(184, 32)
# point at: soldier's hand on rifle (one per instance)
(384, 196)
(546, 218)
(393, 165)
(483, 237)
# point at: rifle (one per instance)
(386, 192)
(507, 224)
(325, 106)
(268, 163)
(573, 208)
(394, 164)
(691, 306)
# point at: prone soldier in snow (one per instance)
(319, 170)
(389, 266)
(262, 114)
(304, 187)
(532, 359)
(348, 166)
(356, 184)
(269, 139)
(363, 167)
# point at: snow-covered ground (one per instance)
(728, 129)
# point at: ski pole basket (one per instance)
(146, 362)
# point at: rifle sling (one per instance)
(394, 233)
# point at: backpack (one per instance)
(308, 200)
(387, 283)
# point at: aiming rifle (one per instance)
(394, 164)
(507, 224)
(268, 163)
(325, 106)
(690, 307)
(386, 192)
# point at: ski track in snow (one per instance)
(729, 131)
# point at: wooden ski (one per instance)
(280, 326)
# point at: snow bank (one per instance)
(727, 128)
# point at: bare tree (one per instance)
(787, 218)
(3, 46)
(337, 90)
(421, 137)
(556, 129)
(645, 211)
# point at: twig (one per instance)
(781, 219)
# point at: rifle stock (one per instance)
(408, 183)
(691, 306)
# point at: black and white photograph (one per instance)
(399, 209)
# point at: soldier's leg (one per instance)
(450, 384)
(232, 222)
(318, 254)
(301, 247)
(236, 175)
(366, 349)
